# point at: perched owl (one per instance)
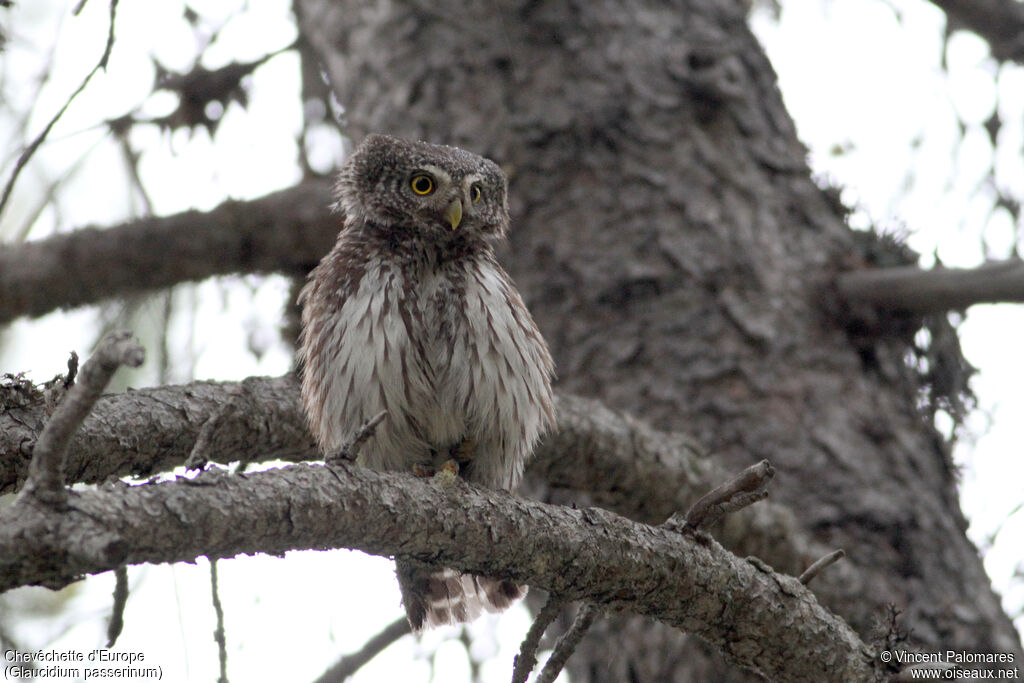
(411, 313)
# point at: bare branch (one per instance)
(747, 487)
(116, 624)
(218, 633)
(349, 664)
(938, 289)
(286, 231)
(69, 379)
(566, 645)
(589, 554)
(820, 565)
(1000, 22)
(34, 145)
(524, 662)
(46, 472)
(351, 450)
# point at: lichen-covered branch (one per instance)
(758, 619)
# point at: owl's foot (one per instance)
(462, 452)
(342, 454)
(447, 473)
(461, 457)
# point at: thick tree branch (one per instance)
(621, 462)
(1000, 22)
(154, 430)
(758, 619)
(286, 231)
(939, 289)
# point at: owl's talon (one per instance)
(342, 454)
(462, 452)
(450, 466)
(422, 471)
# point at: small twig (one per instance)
(46, 471)
(475, 663)
(34, 145)
(218, 633)
(746, 488)
(9, 644)
(349, 664)
(69, 379)
(566, 645)
(350, 450)
(57, 388)
(120, 600)
(524, 662)
(820, 565)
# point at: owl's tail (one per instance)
(434, 597)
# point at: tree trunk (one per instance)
(678, 258)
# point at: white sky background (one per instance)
(854, 78)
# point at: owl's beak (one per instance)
(453, 212)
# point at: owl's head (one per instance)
(436, 191)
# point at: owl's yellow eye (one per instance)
(475, 193)
(422, 184)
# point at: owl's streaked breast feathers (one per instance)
(411, 313)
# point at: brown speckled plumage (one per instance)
(411, 313)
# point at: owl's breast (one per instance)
(451, 354)
(363, 353)
(490, 366)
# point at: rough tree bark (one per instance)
(675, 252)
(621, 463)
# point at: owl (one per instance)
(411, 313)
